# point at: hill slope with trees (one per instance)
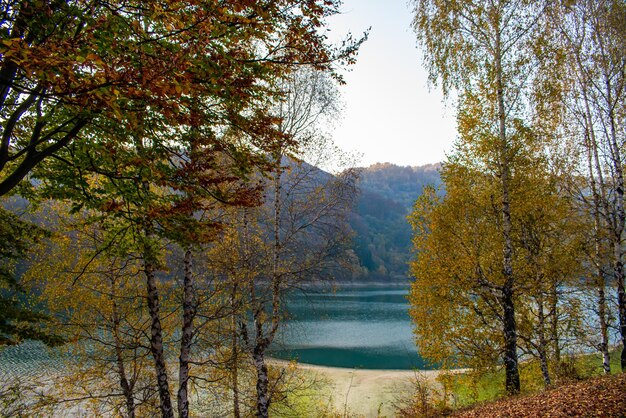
(382, 239)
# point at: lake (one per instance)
(363, 327)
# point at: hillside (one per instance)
(383, 236)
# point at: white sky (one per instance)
(390, 113)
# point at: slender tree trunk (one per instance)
(543, 345)
(235, 375)
(600, 283)
(510, 326)
(234, 369)
(553, 303)
(510, 344)
(604, 343)
(617, 239)
(612, 96)
(276, 273)
(262, 381)
(621, 304)
(265, 337)
(189, 308)
(127, 388)
(156, 340)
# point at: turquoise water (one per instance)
(31, 358)
(359, 327)
(352, 327)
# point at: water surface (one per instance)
(363, 327)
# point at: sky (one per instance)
(391, 114)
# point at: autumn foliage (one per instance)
(69, 65)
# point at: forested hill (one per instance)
(383, 235)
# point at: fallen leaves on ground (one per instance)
(600, 397)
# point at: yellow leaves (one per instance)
(16, 50)
(9, 42)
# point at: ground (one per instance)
(598, 397)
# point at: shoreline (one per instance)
(318, 367)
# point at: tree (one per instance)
(66, 65)
(456, 299)
(592, 35)
(483, 51)
(98, 304)
(301, 225)
(264, 263)
(170, 81)
(139, 88)
(550, 251)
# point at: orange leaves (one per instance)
(600, 397)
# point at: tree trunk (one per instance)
(618, 271)
(156, 341)
(187, 337)
(604, 343)
(265, 337)
(276, 249)
(620, 215)
(510, 326)
(600, 282)
(543, 345)
(618, 266)
(510, 344)
(553, 302)
(127, 388)
(262, 381)
(234, 369)
(621, 304)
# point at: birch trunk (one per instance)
(127, 388)
(543, 344)
(619, 230)
(265, 337)
(156, 341)
(553, 301)
(600, 282)
(187, 337)
(262, 381)
(234, 369)
(510, 326)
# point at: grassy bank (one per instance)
(468, 388)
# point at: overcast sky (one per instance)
(390, 113)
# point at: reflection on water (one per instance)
(351, 327)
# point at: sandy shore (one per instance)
(367, 393)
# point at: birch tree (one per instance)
(482, 50)
(592, 33)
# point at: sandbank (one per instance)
(367, 392)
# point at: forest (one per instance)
(168, 179)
